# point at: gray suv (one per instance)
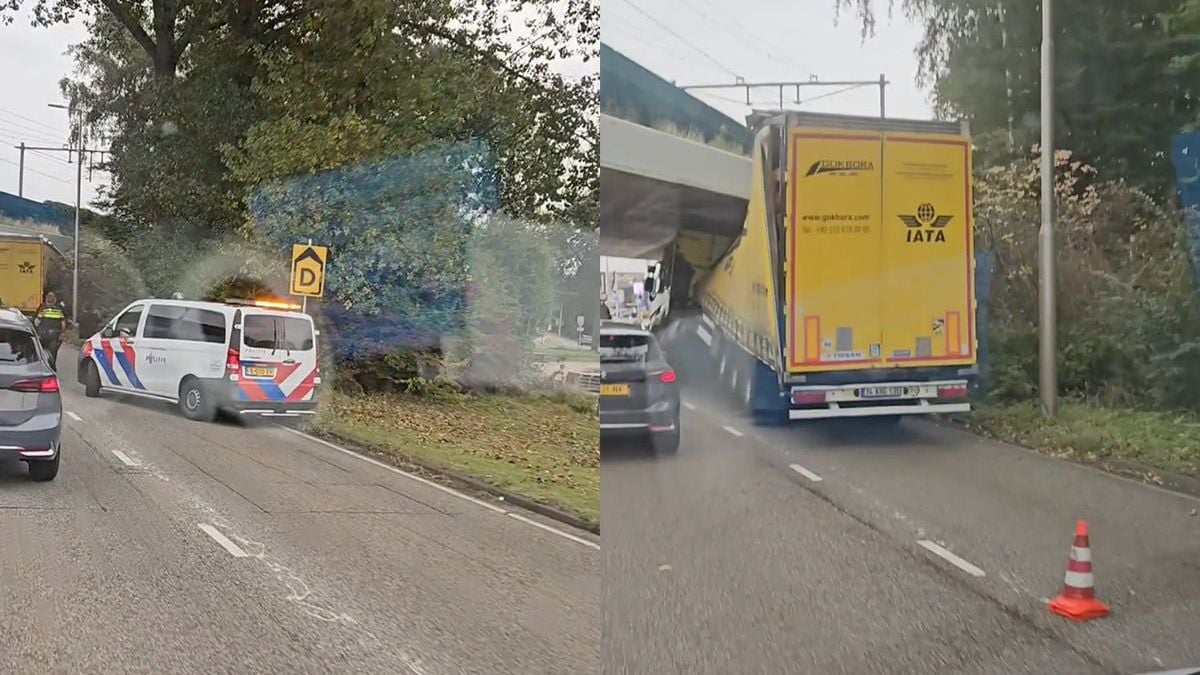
(30, 401)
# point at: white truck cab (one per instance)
(244, 357)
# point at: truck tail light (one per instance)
(43, 385)
(952, 391)
(808, 397)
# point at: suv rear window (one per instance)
(267, 331)
(17, 346)
(624, 347)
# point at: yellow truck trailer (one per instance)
(850, 290)
(26, 262)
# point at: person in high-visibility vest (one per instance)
(50, 321)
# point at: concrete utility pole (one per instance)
(78, 208)
(1047, 315)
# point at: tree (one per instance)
(1121, 77)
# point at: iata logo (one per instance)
(26, 267)
(925, 225)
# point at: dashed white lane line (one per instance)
(731, 430)
(443, 488)
(73, 416)
(225, 542)
(689, 406)
(805, 472)
(949, 557)
(124, 458)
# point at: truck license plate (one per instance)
(614, 390)
(881, 392)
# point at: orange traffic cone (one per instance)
(1078, 599)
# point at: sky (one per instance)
(32, 62)
(715, 41)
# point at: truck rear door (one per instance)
(21, 273)
(927, 274)
(834, 250)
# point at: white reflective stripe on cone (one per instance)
(1079, 579)
(1081, 554)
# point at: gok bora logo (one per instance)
(925, 225)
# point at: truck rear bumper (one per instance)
(870, 399)
(924, 408)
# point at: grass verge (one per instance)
(545, 447)
(1088, 433)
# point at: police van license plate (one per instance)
(260, 371)
(882, 392)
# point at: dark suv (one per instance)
(30, 401)
(638, 392)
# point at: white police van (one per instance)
(244, 357)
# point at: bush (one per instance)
(1127, 327)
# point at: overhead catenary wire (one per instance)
(679, 37)
(32, 170)
(757, 43)
(11, 113)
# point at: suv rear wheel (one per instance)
(44, 470)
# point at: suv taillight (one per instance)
(667, 377)
(233, 362)
(45, 385)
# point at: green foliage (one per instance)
(1129, 333)
(1120, 77)
(210, 104)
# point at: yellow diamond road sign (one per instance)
(308, 269)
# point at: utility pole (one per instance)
(1007, 77)
(78, 208)
(882, 86)
(21, 172)
(1047, 316)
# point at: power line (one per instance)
(834, 93)
(757, 43)
(39, 136)
(11, 113)
(679, 37)
(9, 161)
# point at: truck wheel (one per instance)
(195, 402)
(91, 381)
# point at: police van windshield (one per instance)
(267, 331)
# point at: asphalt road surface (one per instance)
(167, 546)
(822, 548)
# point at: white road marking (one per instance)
(73, 416)
(949, 557)
(689, 406)
(806, 473)
(124, 458)
(568, 535)
(233, 549)
(443, 488)
(731, 430)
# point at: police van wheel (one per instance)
(91, 382)
(194, 402)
